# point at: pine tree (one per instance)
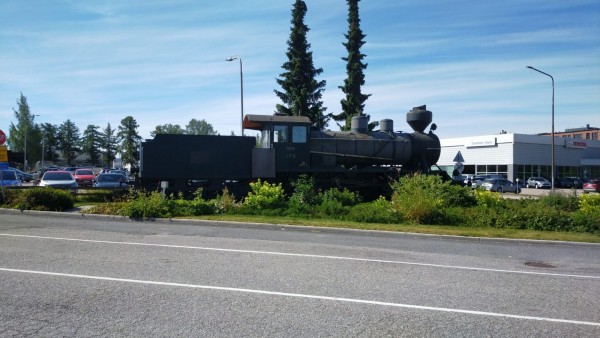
(301, 92)
(108, 144)
(90, 143)
(130, 139)
(68, 138)
(25, 136)
(50, 140)
(354, 102)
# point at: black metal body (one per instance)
(287, 148)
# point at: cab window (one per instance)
(280, 134)
(265, 138)
(298, 134)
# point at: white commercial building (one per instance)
(521, 156)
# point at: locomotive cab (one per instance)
(283, 144)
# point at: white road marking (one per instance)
(299, 295)
(307, 256)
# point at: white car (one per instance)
(538, 182)
(59, 180)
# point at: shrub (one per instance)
(265, 196)
(43, 199)
(419, 198)
(378, 211)
(225, 202)
(488, 199)
(590, 204)
(305, 192)
(146, 206)
(559, 201)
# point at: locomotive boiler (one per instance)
(288, 147)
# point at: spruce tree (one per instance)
(90, 143)
(68, 139)
(354, 102)
(301, 92)
(130, 140)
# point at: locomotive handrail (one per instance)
(350, 155)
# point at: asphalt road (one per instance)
(70, 275)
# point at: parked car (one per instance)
(9, 178)
(577, 182)
(119, 171)
(23, 176)
(538, 183)
(563, 182)
(500, 185)
(591, 186)
(110, 180)
(478, 179)
(58, 179)
(84, 177)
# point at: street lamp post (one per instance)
(552, 134)
(241, 88)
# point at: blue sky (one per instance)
(163, 61)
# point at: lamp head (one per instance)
(232, 58)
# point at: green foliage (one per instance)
(264, 196)
(337, 203)
(353, 103)
(301, 93)
(419, 198)
(305, 191)
(378, 211)
(486, 198)
(129, 140)
(146, 206)
(44, 199)
(590, 204)
(224, 203)
(560, 201)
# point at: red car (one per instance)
(591, 186)
(84, 177)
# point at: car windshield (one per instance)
(84, 172)
(110, 178)
(56, 176)
(9, 175)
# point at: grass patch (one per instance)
(412, 228)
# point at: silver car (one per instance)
(59, 180)
(110, 180)
(538, 183)
(500, 185)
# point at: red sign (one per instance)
(2, 137)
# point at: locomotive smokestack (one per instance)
(419, 118)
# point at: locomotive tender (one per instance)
(288, 147)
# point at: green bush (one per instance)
(336, 203)
(304, 198)
(378, 211)
(43, 199)
(225, 203)
(486, 198)
(590, 204)
(419, 198)
(560, 201)
(265, 195)
(305, 192)
(147, 206)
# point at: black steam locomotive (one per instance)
(288, 147)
